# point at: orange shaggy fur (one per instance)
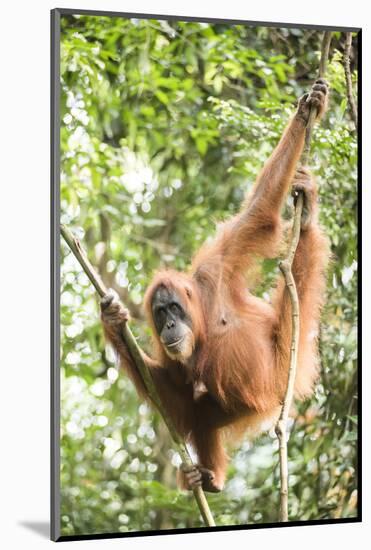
(241, 344)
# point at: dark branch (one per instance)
(348, 79)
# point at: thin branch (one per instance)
(348, 79)
(136, 354)
(286, 269)
(285, 266)
(312, 116)
(325, 48)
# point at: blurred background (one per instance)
(164, 127)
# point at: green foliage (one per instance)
(165, 125)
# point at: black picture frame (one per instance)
(56, 15)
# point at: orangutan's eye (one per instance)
(175, 308)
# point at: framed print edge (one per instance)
(55, 278)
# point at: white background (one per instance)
(24, 273)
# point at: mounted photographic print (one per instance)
(204, 277)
